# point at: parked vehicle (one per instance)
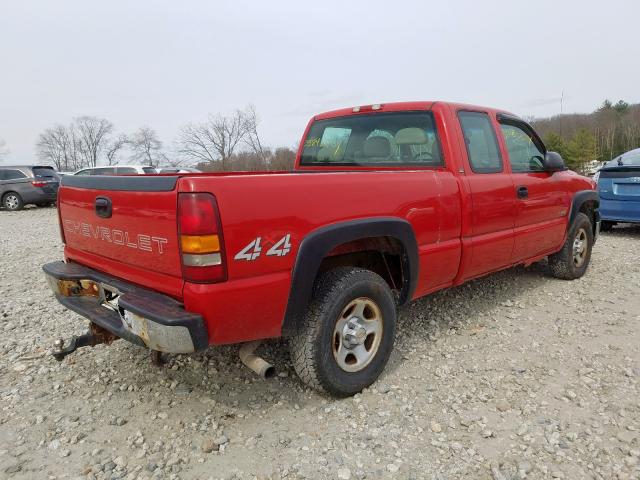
(178, 170)
(28, 184)
(117, 170)
(388, 203)
(619, 188)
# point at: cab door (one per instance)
(491, 188)
(541, 199)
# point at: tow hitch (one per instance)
(95, 336)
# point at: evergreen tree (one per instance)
(581, 150)
(555, 143)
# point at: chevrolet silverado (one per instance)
(387, 203)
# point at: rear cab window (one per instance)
(393, 139)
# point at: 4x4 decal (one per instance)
(253, 250)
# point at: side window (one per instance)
(13, 174)
(480, 139)
(126, 171)
(524, 153)
(104, 171)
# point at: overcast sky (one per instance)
(166, 63)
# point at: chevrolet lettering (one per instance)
(140, 241)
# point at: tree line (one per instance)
(89, 141)
(602, 135)
(232, 142)
(220, 143)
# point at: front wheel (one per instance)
(572, 261)
(347, 333)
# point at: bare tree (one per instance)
(92, 135)
(147, 147)
(3, 150)
(58, 146)
(252, 139)
(282, 159)
(113, 147)
(214, 140)
(49, 149)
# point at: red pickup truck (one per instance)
(387, 203)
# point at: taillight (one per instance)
(38, 183)
(201, 244)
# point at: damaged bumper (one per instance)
(141, 316)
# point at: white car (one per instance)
(179, 170)
(117, 170)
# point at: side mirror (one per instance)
(553, 162)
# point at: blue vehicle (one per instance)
(619, 187)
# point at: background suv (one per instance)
(23, 184)
(619, 187)
(117, 170)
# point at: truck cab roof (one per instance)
(402, 106)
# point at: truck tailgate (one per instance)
(129, 221)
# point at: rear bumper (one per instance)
(620, 210)
(35, 195)
(141, 316)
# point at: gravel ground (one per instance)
(514, 376)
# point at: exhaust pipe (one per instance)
(255, 362)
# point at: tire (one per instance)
(572, 261)
(347, 333)
(606, 226)
(12, 201)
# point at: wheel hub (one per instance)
(580, 247)
(357, 334)
(353, 333)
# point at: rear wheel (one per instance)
(347, 334)
(12, 201)
(606, 226)
(572, 261)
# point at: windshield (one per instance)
(47, 172)
(379, 139)
(632, 157)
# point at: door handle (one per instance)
(523, 192)
(103, 207)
